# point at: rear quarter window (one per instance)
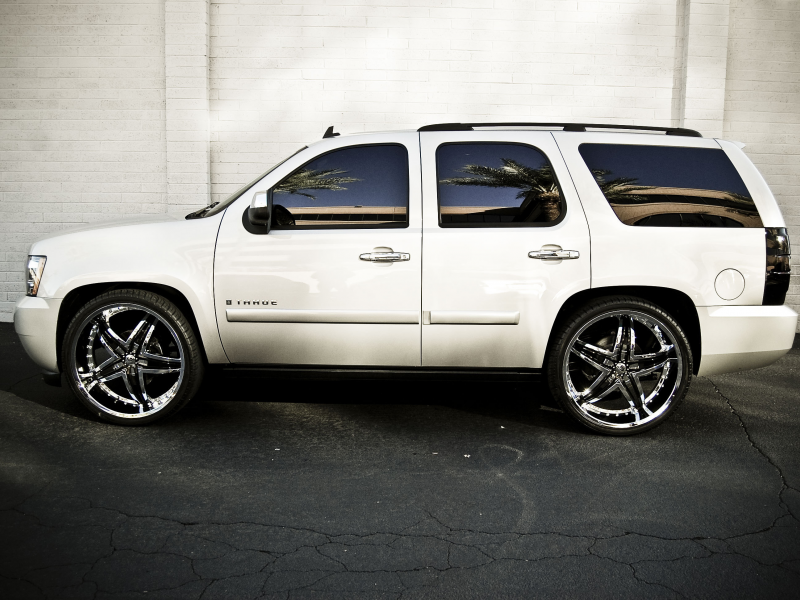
(668, 186)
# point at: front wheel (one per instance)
(620, 365)
(131, 357)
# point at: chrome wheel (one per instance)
(623, 369)
(127, 361)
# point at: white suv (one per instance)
(615, 262)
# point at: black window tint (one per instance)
(496, 185)
(359, 186)
(665, 186)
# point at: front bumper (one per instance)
(35, 321)
(735, 338)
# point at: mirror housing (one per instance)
(260, 212)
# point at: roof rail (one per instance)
(564, 127)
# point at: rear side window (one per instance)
(496, 185)
(666, 186)
(354, 187)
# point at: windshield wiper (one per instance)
(202, 212)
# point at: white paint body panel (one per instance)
(35, 321)
(161, 249)
(487, 269)
(759, 190)
(736, 338)
(318, 272)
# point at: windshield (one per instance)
(218, 207)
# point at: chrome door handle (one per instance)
(385, 256)
(554, 254)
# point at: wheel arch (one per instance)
(79, 296)
(674, 302)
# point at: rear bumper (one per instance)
(35, 321)
(735, 338)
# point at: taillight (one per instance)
(778, 257)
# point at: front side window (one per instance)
(668, 186)
(354, 187)
(496, 185)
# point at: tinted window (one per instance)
(496, 185)
(661, 186)
(359, 186)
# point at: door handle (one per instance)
(385, 256)
(554, 254)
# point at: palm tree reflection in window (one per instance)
(307, 179)
(541, 198)
(663, 206)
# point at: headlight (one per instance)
(34, 273)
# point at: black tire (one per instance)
(131, 357)
(602, 384)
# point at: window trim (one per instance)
(497, 225)
(398, 225)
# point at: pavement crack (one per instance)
(784, 485)
(23, 380)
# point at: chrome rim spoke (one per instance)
(622, 368)
(620, 333)
(588, 348)
(128, 385)
(158, 371)
(588, 359)
(129, 361)
(167, 359)
(631, 400)
(603, 394)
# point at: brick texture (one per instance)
(121, 107)
(762, 103)
(705, 64)
(281, 72)
(186, 119)
(81, 121)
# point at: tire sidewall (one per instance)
(165, 310)
(557, 356)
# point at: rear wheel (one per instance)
(131, 357)
(620, 365)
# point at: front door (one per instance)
(506, 244)
(337, 280)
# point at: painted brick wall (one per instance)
(81, 120)
(762, 103)
(281, 72)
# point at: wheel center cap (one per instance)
(130, 359)
(621, 368)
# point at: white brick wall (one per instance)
(81, 120)
(186, 118)
(762, 103)
(281, 72)
(135, 106)
(705, 63)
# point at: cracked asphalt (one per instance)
(314, 489)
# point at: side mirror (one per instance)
(260, 211)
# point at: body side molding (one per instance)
(474, 317)
(276, 315)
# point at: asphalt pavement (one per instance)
(392, 489)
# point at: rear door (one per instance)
(506, 242)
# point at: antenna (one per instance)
(329, 133)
